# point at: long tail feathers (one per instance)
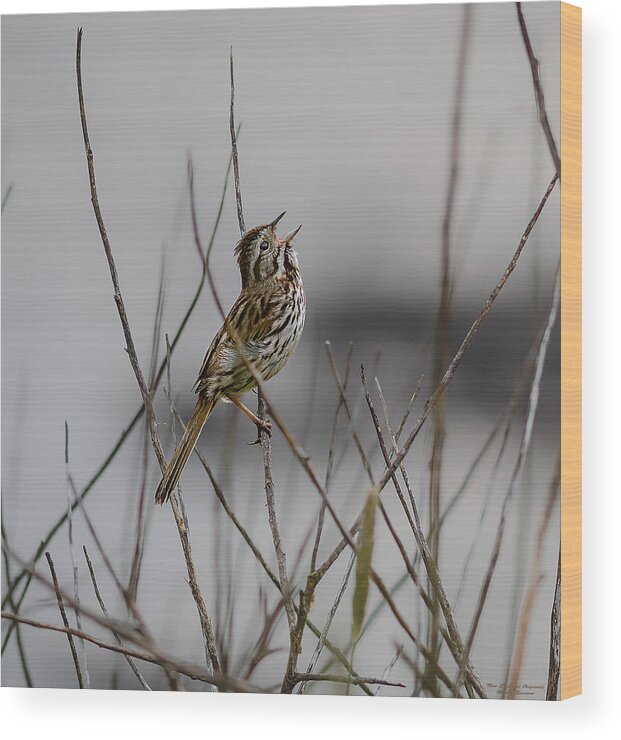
(201, 413)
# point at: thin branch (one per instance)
(418, 675)
(180, 520)
(453, 637)
(443, 320)
(338, 655)
(335, 678)
(341, 388)
(45, 541)
(128, 658)
(6, 196)
(136, 564)
(409, 408)
(535, 580)
(449, 373)
(554, 665)
(21, 651)
(63, 614)
(193, 672)
(533, 404)
(330, 465)
(539, 96)
(264, 438)
(74, 565)
(389, 668)
(281, 558)
(238, 198)
(129, 602)
(262, 647)
(331, 614)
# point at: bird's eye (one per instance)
(263, 246)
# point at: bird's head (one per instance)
(262, 256)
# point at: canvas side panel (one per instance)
(571, 351)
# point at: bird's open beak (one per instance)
(291, 235)
(277, 219)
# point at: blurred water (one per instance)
(346, 116)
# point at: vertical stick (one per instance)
(63, 614)
(442, 334)
(211, 652)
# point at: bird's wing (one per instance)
(248, 320)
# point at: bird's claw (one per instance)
(263, 425)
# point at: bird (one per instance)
(263, 328)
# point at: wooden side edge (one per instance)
(571, 351)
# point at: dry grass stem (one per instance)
(453, 637)
(533, 588)
(63, 614)
(443, 325)
(128, 658)
(533, 403)
(448, 375)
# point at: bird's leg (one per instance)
(262, 424)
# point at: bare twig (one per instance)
(74, 565)
(262, 647)
(238, 198)
(539, 96)
(63, 614)
(418, 675)
(129, 602)
(331, 614)
(330, 466)
(341, 388)
(21, 651)
(47, 538)
(128, 658)
(535, 580)
(533, 403)
(216, 679)
(136, 563)
(180, 520)
(338, 655)
(389, 668)
(449, 373)
(273, 522)
(335, 678)
(6, 196)
(409, 408)
(554, 666)
(443, 322)
(295, 626)
(453, 637)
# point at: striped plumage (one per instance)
(266, 320)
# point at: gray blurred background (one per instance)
(346, 123)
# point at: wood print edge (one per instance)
(571, 352)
